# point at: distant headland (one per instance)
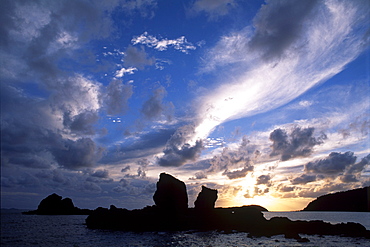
(357, 200)
(171, 213)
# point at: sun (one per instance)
(242, 192)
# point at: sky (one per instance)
(266, 101)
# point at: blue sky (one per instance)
(265, 101)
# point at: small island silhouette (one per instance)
(171, 213)
(55, 205)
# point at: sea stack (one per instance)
(171, 194)
(206, 199)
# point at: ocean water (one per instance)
(70, 230)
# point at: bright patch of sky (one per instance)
(265, 101)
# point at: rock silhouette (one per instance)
(171, 194)
(206, 199)
(357, 200)
(172, 214)
(55, 205)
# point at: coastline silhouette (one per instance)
(357, 200)
(171, 213)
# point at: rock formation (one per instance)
(172, 214)
(55, 205)
(206, 199)
(357, 200)
(171, 195)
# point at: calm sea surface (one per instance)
(40, 230)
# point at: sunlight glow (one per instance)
(270, 85)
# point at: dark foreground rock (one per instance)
(55, 205)
(171, 194)
(357, 200)
(161, 217)
(206, 199)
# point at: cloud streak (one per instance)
(289, 64)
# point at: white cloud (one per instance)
(77, 94)
(305, 103)
(321, 49)
(180, 43)
(120, 73)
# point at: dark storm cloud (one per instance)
(31, 137)
(137, 57)
(316, 191)
(35, 129)
(259, 192)
(198, 175)
(348, 178)
(91, 187)
(360, 166)
(31, 160)
(48, 108)
(361, 124)
(20, 179)
(286, 188)
(177, 151)
(240, 157)
(329, 168)
(155, 108)
(239, 173)
(178, 156)
(36, 41)
(213, 9)
(303, 179)
(117, 97)
(81, 123)
(333, 164)
(77, 154)
(44, 179)
(275, 30)
(143, 145)
(142, 169)
(235, 163)
(125, 169)
(264, 179)
(299, 143)
(353, 172)
(101, 174)
(55, 176)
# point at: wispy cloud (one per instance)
(266, 76)
(180, 44)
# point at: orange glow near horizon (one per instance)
(269, 202)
